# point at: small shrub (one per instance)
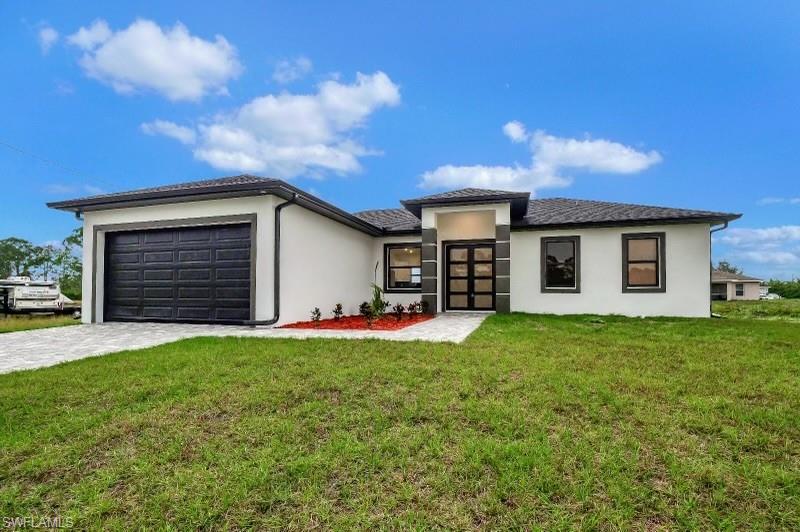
(412, 309)
(364, 309)
(316, 316)
(398, 310)
(423, 305)
(338, 311)
(378, 305)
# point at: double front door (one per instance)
(469, 276)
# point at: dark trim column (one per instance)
(429, 269)
(502, 251)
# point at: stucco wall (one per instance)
(751, 291)
(687, 274)
(471, 222)
(322, 263)
(261, 206)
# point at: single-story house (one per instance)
(726, 286)
(247, 249)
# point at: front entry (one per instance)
(470, 276)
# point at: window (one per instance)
(402, 267)
(739, 289)
(561, 264)
(643, 262)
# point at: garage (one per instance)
(187, 274)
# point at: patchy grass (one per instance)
(534, 422)
(776, 309)
(24, 322)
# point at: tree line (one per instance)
(62, 263)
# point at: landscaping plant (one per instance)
(398, 311)
(337, 311)
(316, 315)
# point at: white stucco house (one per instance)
(246, 249)
(727, 286)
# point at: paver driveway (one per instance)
(47, 347)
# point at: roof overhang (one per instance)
(518, 202)
(521, 225)
(276, 188)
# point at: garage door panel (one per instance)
(231, 314)
(158, 275)
(242, 254)
(197, 234)
(158, 292)
(182, 274)
(156, 257)
(233, 273)
(194, 255)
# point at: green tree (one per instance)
(69, 264)
(17, 256)
(725, 266)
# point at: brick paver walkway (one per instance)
(47, 347)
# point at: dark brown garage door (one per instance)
(191, 274)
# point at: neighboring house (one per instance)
(245, 248)
(726, 286)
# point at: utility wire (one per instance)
(50, 162)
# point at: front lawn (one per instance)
(24, 322)
(535, 421)
(775, 309)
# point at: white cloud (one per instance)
(184, 135)
(549, 156)
(287, 135)
(91, 37)
(62, 189)
(169, 61)
(773, 250)
(770, 257)
(772, 200)
(760, 237)
(289, 70)
(47, 36)
(515, 131)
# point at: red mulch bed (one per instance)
(387, 322)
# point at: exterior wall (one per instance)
(377, 257)
(688, 274)
(323, 263)
(473, 222)
(261, 206)
(752, 290)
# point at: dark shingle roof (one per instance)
(525, 213)
(467, 193)
(567, 212)
(206, 185)
(517, 200)
(720, 276)
(391, 219)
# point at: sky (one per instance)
(685, 104)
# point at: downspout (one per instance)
(276, 306)
(710, 273)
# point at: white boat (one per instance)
(21, 294)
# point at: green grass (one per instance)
(534, 422)
(777, 309)
(23, 322)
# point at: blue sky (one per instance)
(690, 104)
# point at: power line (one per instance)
(50, 162)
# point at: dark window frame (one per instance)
(736, 289)
(661, 263)
(576, 242)
(386, 267)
